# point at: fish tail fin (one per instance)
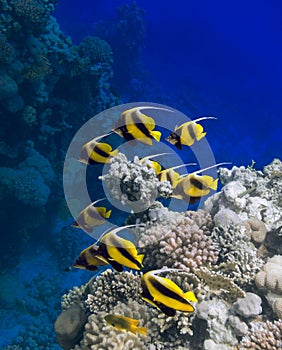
(191, 296)
(214, 184)
(114, 153)
(107, 214)
(142, 330)
(140, 258)
(199, 132)
(156, 135)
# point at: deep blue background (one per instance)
(209, 57)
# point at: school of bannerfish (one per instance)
(110, 248)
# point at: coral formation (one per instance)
(181, 243)
(133, 184)
(269, 280)
(262, 336)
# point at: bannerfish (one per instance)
(171, 175)
(125, 323)
(94, 152)
(146, 296)
(92, 216)
(89, 259)
(152, 164)
(192, 187)
(134, 125)
(165, 291)
(187, 133)
(119, 252)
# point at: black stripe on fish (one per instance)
(165, 291)
(104, 253)
(165, 309)
(100, 152)
(125, 253)
(198, 184)
(191, 131)
(193, 200)
(140, 125)
(174, 136)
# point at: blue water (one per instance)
(220, 58)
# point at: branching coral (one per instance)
(235, 248)
(263, 336)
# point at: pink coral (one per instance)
(183, 243)
(265, 335)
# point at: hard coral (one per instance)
(96, 50)
(263, 336)
(33, 11)
(235, 248)
(184, 243)
(134, 184)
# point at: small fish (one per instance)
(163, 291)
(151, 163)
(192, 187)
(94, 152)
(89, 259)
(134, 125)
(187, 133)
(125, 324)
(92, 216)
(119, 252)
(170, 175)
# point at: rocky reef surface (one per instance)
(230, 255)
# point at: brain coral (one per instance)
(184, 243)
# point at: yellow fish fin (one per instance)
(156, 135)
(101, 211)
(107, 214)
(210, 181)
(140, 258)
(190, 296)
(157, 167)
(149, 301)
(199, 131)
(114, 153)
(142, 330)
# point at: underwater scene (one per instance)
(140, 175)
